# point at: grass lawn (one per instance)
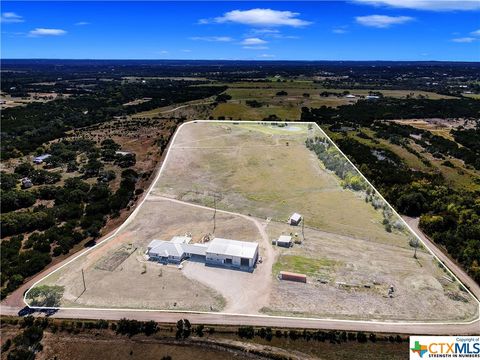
(302, 265)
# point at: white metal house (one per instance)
(223, 252)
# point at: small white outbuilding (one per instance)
(295, 219)
(284, 241)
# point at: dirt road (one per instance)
(452, 265)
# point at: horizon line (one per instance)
(243, 60)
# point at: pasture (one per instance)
(242, 181)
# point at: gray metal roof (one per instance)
(165, 249)
(195, 249)
(218, 246)
(284, 239)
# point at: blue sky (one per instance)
(247, 30)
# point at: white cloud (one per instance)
(260, 17)
(475, 33)
(256, 47)
(340, 30)
(186, 50)
(269, 33)
(434, 5)
(464, 40)
(253, 41)
(212, 38)
(82, 23)
(382, 21)
(46, 32)
(266, 56)
(11, 17)
(265, 31)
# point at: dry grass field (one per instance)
(299, 94)
(287, 107)
(368, 269)
(257, 175)
(267, 172)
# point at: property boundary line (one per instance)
(134, 213)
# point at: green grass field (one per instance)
(303, 265)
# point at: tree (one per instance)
(199, 330)
(246, 332)
(150, 327)
(222, 98)
(8, 181)
(24, 169)
(184, 329)
(411, 204)
(16, 199)
(92, 168)
(45, 295)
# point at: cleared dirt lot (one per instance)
(421, 286)
(137, 283)
(257, 175)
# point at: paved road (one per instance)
(452, 265)
(230, 319)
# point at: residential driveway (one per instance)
(244, 292)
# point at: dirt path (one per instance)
(235, 286)
(451, 264)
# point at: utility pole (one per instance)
(303, 228)
(416, 246)
(214, 212)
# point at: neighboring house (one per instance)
(123, 153)
(223, 252)
(26, 183)
(40, 159)
(295, 219)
